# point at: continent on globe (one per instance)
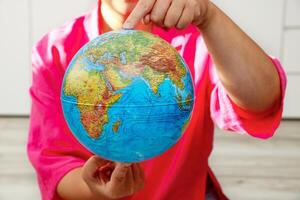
(116, 126)
(130, 79)
(94, 102)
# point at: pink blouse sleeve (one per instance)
(51, 148)
(229, 116)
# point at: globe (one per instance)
(127, 96)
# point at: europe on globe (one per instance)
(127, 96)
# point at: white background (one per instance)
(274, 24)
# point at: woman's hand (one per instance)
(112, 180)
(169, 13)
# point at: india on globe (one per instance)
(127, 96)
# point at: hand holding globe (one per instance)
(111, 180)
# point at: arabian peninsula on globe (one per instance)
(127, 96)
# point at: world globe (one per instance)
(127, 96)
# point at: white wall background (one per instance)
(274, 24)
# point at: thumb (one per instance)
(90, 167)
(120, 172)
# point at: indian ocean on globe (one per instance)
(127, 96)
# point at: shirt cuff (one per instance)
(263, 124)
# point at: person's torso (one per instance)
(180, 172)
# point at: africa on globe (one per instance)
(127, 96)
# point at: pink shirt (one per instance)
(182, 171)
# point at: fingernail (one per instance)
(127, 164)
(127, 26)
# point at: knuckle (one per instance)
(197, 13)
(120, 178)
(155, 18)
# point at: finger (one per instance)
(135, 172)
(91, 166)
(197, 15)
(138, 176)
(108, 165)
(174, 13)
(186, 18)
(129, 180)
(119, 173)
(159, 11)
(105, 172)
(146, 19)
(142, 8)
(138, 172)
